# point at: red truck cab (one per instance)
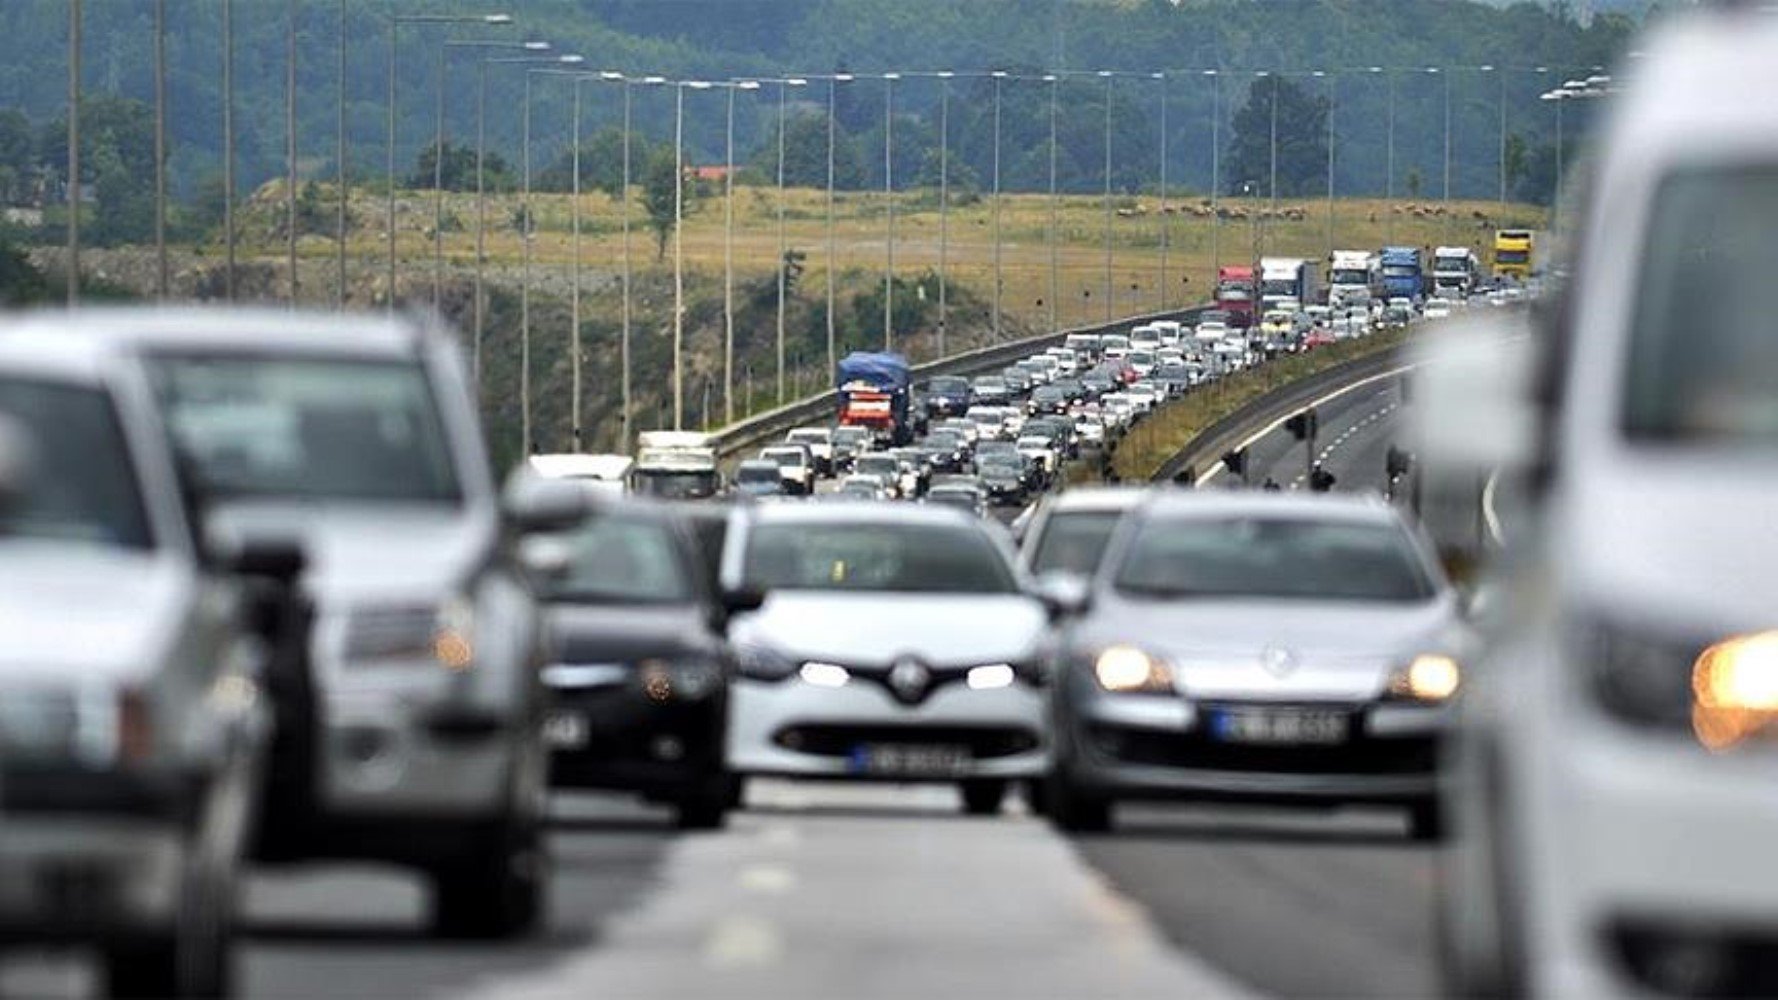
(1235, 293)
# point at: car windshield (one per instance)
(1703, 362)
(750, 472)
(82, 484)
(323, 429)
(1073, 541)
(875, 556)
(625, 559)
(785, 457)
(1272, 557)
(812, 436)
(885, 465)
(951, 386)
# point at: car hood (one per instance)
(867, 628)
(626, 633)
(363, 552)
(68, 610)
(1271, 649)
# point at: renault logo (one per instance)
(909, 679)
(1278, 660)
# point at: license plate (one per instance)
(910, 759)
(1288, 726)
(565, 730)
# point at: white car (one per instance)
(990, 422)
(1436, 308)
(1614, 787)
(1039, 448)
(894, 642)
(606, 474)
(795, 464)
(820, 442)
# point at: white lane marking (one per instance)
(1205, 477)
(742, 940)
(771, 879)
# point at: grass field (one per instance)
(1073, 290)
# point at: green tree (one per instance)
(1518, 154)
(18, 156)
(457, 172)
(1415, 180)
(658, 195)
(1302, 139)
(21, 283)
(601, 163)
(805, 154)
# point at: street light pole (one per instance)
(1166, 216)
(74, 20)
(339, 156)
(1272, 196)
(728, 257)
(1389, 182)
(1055, 82)
(290, 143)
(889, 209)
(1331, 94)
(525, 229)
(1215, 169)
(833, 82)
(162, 270)
(944, 201)
(1501, 153)
(395, 23)
(574, 347)
(784, 86)
(999, 75)
(228, 145)
(1107, 77)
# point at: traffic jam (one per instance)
(268, 603)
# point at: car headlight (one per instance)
(1128, 670)
(762, 663)
(1735, 690)
(1637, 676)
(1429, 677)
(827, 675)
(98, 725)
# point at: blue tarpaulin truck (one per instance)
(1403, 274)
(873, 393)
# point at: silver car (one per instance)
(132, 721)
(413, 736)
(895, 642)
(1254, 646)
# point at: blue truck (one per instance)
(873, 393)
(1404, 276)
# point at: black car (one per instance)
(640, 676)
(947, 396)
(1004, 474)
(1048, 399)
(990, 390)
(948, 451)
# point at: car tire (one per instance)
(983, 797)
(496, 890)
(1074, 810)
(1426, 822)
(194, 959)
(706, 805)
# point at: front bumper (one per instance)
(419, 758)
(633, 743)
(792, 728)
(1144, 746)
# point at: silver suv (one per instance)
(132, 727)
(412, 735)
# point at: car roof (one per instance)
(1097, 498)
(886, 512)
(1349, 507)
(84, 339)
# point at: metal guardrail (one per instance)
(1206, 448)
(759, 429)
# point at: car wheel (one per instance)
(1073, 810)
(194, 959)
(983, 797)
(705, 806)
(498, 888)
(1426, 821)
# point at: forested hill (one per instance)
(721, 39)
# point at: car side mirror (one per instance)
(533, 504)
(545, 558)
(734, 602)
(261, 553)
(1064, 595)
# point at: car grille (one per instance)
(983, 742)
(391, 631)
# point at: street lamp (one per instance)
(1501, 154)
(889, 209)
(395, 23)
(784, 85)
(1166, 217)
(1215, 168)
(74, 24)
(1445, 196)
(438, 141)
(290, 142)
(1323, 74)
(163, 272)
(944, 78)
(728, 256)
(1055, 83)
(1389, 169)
(1557, 97)
(481, 190)
(1107, 76)
(679, 89)
(998, 75)
(833, 80)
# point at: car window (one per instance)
(623, 559)
(1073, 541)
(311, 428)
(1703, 364)
(82, 486)
(867, 556)
(1272, 557)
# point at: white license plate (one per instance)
(566, 730)
(1287, 726)
(910, 759)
